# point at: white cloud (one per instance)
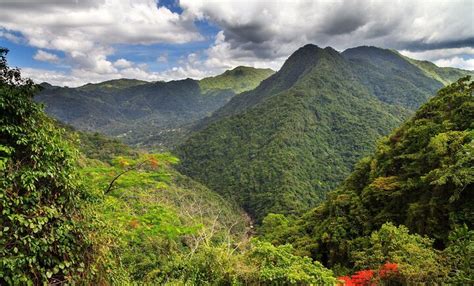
(462, 58)
(257, 33)
(11, 37)
(267, 32)
(46, 57)
(52, 77)
(467, 64)
(436, 54)
(122, 63)
(86, 30)
(78, 77)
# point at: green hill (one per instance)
(420, 176)
(239, 79)
(152, 114)
(446, 75)
(112, 85)
(281, 147)
(157, 226)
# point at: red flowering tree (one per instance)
(370, 277)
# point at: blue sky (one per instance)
(72, 42)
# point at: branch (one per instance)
(110, 187)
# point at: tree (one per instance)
(416, 260)
(41, 240)
(150, 161)
(277, 265)
(460, 254)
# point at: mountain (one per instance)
(280, 147)
(112, 85)
(146, 113)
(239, 79)
(421, 176)
(445, 75)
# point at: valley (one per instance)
(146, 114)
(282, 146)
(340, 168)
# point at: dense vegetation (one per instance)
(151, 114)
(239, 79)
(41, 235)
(113, 215)
(156, 226)
(79, 208)
(281, 147)
(421, 177)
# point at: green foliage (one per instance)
(281, 147)
(156, 115)
(417, 261)
(460, 254)
(100, 147)
(153, 217)
(420, 176)
(278, 148)
(239, 79)
(112, 85)
(273, 228)
(260, 264)
(159, 227)
(445, 75)
(391, 77)
(41, 237)
(278, 266)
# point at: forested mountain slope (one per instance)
(282, 146)
(146, 113)
(112, 215)
(420, 176)
(152, 217)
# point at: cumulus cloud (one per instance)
(46, 57)
(86, 30)
(123, 63)
(268, 31)
(190, 68)
(11, 37)
(452, 57)
(257, 33)
(436, 54)
(467, 64)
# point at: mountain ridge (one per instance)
(275, 150)
(154, 114)
(419, 176)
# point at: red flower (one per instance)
(360, 278)
(368, 277)
(346, 281)
(363, 277)
(388, 269)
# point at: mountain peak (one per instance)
(300, 62)
(314, 49)
(370, 52)
(309, 54)
(245, 70)
(309, 47)
(238, 79)
(113, 84)
(304, 51)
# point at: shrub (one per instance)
(41, 239)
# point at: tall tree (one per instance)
(41, 240)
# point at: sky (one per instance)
(73, 42)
